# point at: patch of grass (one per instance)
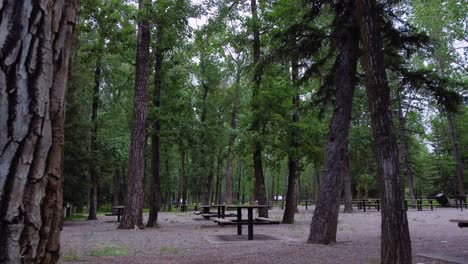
(374, 261)
(169, 250)
(71, 255)
(109, 250)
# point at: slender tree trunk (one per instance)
(325, 219)
(155, 192)
(405, 155)
(395, 237)
(133, 211)
(93, 194)
(239, 179)
(218, 179)
(347, 186)
(206, 183)
(260, 192)
(33, 83)
(116, 192)
(184, 177)
(456, 156)
(293, 157)
(232, 136)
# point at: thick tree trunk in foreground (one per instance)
(133, 211)
(395, 237)
(325, 219)
(93, 194)
(34, 58)
(404, 150)
(456, 155)
(260, 192)
(293, 160)
(347, 186)
(155, 192)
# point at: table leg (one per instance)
(250, 223)
(219, 211)
(239, 221)
(223, 211)
(119, 212)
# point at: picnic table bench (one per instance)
(116, 210)
(220, 212)
(271, 203)
(461, 222)
(420, 204)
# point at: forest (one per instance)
(206, 116)
(174, 103)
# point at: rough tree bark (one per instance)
(347, 186)
(232, 136)
(395, 237)
(325, 219)
(155, 192)
(456, 155)
(404, 149)
(93, 193)
(260, 192)
(35, 46)
(293, 159)
(133, 211)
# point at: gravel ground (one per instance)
(184, 238)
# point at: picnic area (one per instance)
(228, 131)
(188, 238)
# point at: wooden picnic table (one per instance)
(221, 209)
(249, 215)
(119, 210)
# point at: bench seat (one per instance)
(461, 222)
(209, 215)
(222, 221)
(268, 220)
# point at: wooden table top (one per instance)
(245, 206)
(118, 207)
(213, 205)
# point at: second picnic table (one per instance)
(250, 221)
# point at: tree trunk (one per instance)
(239, 179)
(325, 219)
(133, 211)
(347, 186)
(395, 237)
(293, 157)
(260, 192)
(184, 177)
(33, 83)
(93, 194)
(456, 156)
(116, 191)
(206, 182)
(218, 179)
(155, 192)
(232, 136)
(405, 155)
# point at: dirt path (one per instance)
(182, 238)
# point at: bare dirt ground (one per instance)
(184, 238)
